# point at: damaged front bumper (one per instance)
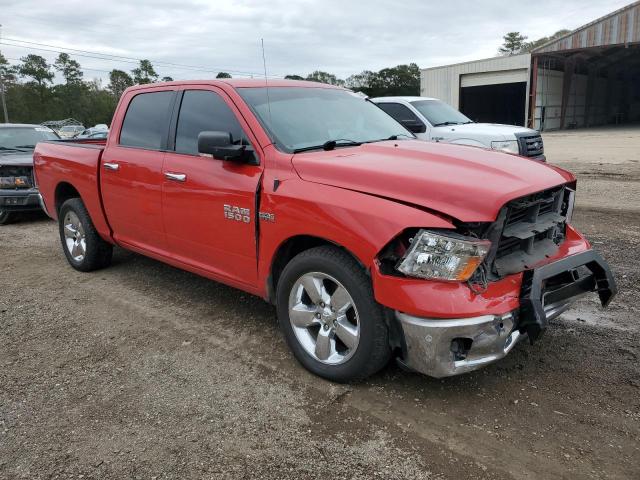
(445, 347)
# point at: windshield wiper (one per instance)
(11, 149)
(26, 146)
(392, 137)
(442, 124)
(330, 145)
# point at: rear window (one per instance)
(147, 121)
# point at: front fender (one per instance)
(361, 223)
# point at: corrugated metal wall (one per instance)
(618, 28)
(444, 82)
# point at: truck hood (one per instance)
(20, 159)
(469, 184)
(487, 132)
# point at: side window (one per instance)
(203, 110)
(147, 120)
(399, 112)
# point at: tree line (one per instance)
(32, 97)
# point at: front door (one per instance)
(208, 204)
(131, 172)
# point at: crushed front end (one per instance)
(536, 265)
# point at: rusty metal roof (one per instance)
(621, 27)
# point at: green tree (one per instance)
(36, 68)
(324, 77)
(119, 81)
(39, 72)
(69, 68)
(528, 46)
(223, 75)
(398, 80)
(513, 43)
(7, 72)
(362, 81)
(293, 77)
(167, 79)
(6, 77)
(145, 73)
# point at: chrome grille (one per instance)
(531, 146)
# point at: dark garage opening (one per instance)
(502, 103)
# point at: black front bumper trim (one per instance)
(561, 281)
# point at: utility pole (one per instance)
(2, 99)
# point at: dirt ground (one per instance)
(145, 371)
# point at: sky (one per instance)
(201, 38)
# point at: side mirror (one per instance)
(220, 145)
(414, 126)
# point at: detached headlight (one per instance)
(443, 257)
(509, 146)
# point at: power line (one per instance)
(119, 58)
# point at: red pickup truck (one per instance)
(371, 244)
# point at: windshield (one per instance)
(439, 113)
(24, 138)
(303, 118)
(71, 128)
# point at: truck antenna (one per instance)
(266, 84)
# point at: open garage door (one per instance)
(495, 97)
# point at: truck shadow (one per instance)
(569, 354)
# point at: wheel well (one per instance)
(289, 249)
(65, 191)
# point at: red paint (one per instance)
(359, 198)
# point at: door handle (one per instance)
(111, 166)
(176, 177)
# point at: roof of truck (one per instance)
(242, 83)
(401, 98)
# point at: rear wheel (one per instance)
(84, 248)
(330, 319)
(5, 217)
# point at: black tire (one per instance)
(5, 217)
(373, 351)
(98, 253)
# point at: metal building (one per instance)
(589, 77)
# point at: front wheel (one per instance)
(5, 217)
(331, 321)
(84, 248)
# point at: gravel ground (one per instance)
(144, 371)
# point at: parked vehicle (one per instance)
(433, 120)
(93, 132)
(371, 244)
(99, 135)
(70, 131)
(17, 188)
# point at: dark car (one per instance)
(17, 187)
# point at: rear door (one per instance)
(131, 171)
(209, 204)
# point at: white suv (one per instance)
(433, 120)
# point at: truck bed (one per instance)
(58, 164)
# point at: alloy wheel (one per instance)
(74, 236)
(324, 318)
